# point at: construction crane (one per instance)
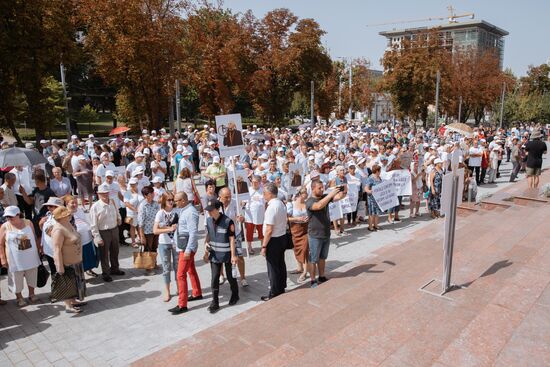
(452, 18)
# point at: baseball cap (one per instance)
(156, 179)
(212, 204)
(103, 189)
(133, 181)
(147, 151)
(438, 160)
(109, 173)
(140, 154)
(216, 159)
(90, 136)
(12, 211)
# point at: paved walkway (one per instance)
(127, 319)
(372, 313)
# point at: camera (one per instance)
(340, 188)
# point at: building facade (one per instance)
(475, 34)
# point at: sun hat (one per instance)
(61, 212)
(11, 211)
(53, 201)
(536, 134)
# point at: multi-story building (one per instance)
(475, 34)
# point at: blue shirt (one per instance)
(189, 223)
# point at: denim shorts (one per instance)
(318, 249)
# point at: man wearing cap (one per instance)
(535, 149)
(104, 166)
(138, 162)
(104, 221)
(142, 179)
(474, 162)
(220, 252)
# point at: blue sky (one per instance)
(345, 21)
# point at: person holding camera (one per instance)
(317, 206)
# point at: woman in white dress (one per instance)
(20, 253)
(132, 199)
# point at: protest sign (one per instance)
(385, 195)
(345, 205)
(230, 137)
(401, 178)
(353, 195)
(335, 211)
(242, 183)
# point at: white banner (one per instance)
(353, 195)
(230, 138)
(385, 195)
(401, 178)
(346, 205)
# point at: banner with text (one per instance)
(385, 195)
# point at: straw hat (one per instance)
(61, 212)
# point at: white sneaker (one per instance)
(244, 283)
(222, 279)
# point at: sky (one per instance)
(345, 22)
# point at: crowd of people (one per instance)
(93, 197)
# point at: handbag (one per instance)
(42, 276)
(64, 286)
(289, 241)
(145, 259)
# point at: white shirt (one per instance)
(133, 199)
(275, 215)
(255, 208)
(159, 173)
(22, 178)
(475, 161)
(102, 169)
(114, 189)
(132, 166)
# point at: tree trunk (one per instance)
(11, 125)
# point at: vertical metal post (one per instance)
(340, 96)
(459, 108)
(312, 114)
(171, 114)
(502, 103)
(350, 88)
(178, 109)
(437, 80)
(450, 224)
(66, 101)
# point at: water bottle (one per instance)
(234, 271)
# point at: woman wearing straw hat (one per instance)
(20, 253)
(68, 256)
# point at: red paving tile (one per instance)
(372, 314)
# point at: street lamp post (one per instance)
(437, 80)
(459, 108)
(340, 96)
(502, 103)
(312, 101)
(350, 88)
(65, 98)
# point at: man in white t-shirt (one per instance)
(135, 164)
(275, 241)
(104, 166)
(158, 167)
(474, 162)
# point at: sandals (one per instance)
(21, 302)
(92, 273)
(79, 304)
(302, 278)
(251, 251)
(73, 309)
(33, 299)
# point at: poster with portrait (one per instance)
(242, 183)
(230, 136)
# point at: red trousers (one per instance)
(187, 267)
(250, 231)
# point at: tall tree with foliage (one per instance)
(135, 48)
(36, 36)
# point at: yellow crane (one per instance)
(452, 18)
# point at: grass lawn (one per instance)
(101, 127)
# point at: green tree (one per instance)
(87, 115)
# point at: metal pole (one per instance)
(171, 115)
(237, 204)
(67, 118)
(312, 114)
(350, 87)
(178, 110)
(502, 103)
(450, 224)
(459, 108)
(437, 79)
(340, 97)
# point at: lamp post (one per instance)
(66, 101)
(502, 103)
(437, 80)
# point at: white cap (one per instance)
(280, 149)
(292, 142)
(211, 143)
(82, 157)
(155, 138)
(103, 155)
(137, 171)
(438, 160)
(103, 189)
(163, 130)
(179, 148)
(186, 141)
(139, 154)
(311, 158)
(216, 159)
(74, 137)
(207, 151)
(127, 140)
(267, 142)
(90, 136)
(153, 132)
(186, 152)
(29, 145)
(205, 126)
(156, 179)
(263, 156)
(351, 163)
(12, 211)
(109, 173)
(147, 151)
(144, 131)
(133, 181)
(43, 141)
